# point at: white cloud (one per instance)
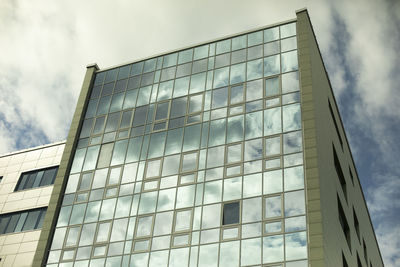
(47, 44)
(389, 242)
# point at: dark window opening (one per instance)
(343, 223)
(231, 213)
(36, 178)
(359, 261)
(365, 252)
(351, 175)
(22, 221)
(344, 261)
(335, 123)
(356, 224)
(339, 172)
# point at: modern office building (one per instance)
(26, 179)
(228, 153)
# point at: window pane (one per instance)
(295, 224)
(272, 86)
(294, 203)
(220, 98)
(254, 69)
(272, 248)
(163, 223)
(272, 121)
(254, 125)
(238, 56)
(239, 42)
(273, 207)
(183, 70)
(255, 38)
(221, 77)
(232, 188)
(296, 246)
(185, 196)
(288, 30)
(213, 192)
(116, 102)
(290, 82)
(289, 61)
(217, 132)
(294, 178)
(13, 223)
(31, 220)
(223, 46)
(103, 106)
(166, 199)
(231, 213)
(119, 152)
(165, 90)
(211, 216)
(254, 90)
(251, 210)
(148, 202)
(235, 129)
(292, 142)
(251, 251)
(130, 99)
(208, 256)
(157, 143)
(271, 65)
(252, 185)
(271, 48)
(134, 149)
(171, 165)
(229, 254)
(46, 177)
(289, 44)
(185, 56)
(273, 146)
(291, 117)
(91, 158)
(197, 82)
(273, 182)
(183, 220)
(254, 52)
(215, 157)
(222, 60)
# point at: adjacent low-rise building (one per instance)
(26, 184)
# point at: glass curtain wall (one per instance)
(193, 158)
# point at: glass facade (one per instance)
(193, 158)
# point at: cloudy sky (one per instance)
(46, 45)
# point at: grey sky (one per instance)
(45, 46)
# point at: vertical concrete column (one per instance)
(63, 170)
(312, 179)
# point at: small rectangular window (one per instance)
(359, 261)
(339, 172)
(344, 261)
(351, 175)
(365, 251)
(356, 224)
(343, 222)
(36, 178)
(231, 213)
(22, 221)
(335, 123)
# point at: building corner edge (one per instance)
(63, 171)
